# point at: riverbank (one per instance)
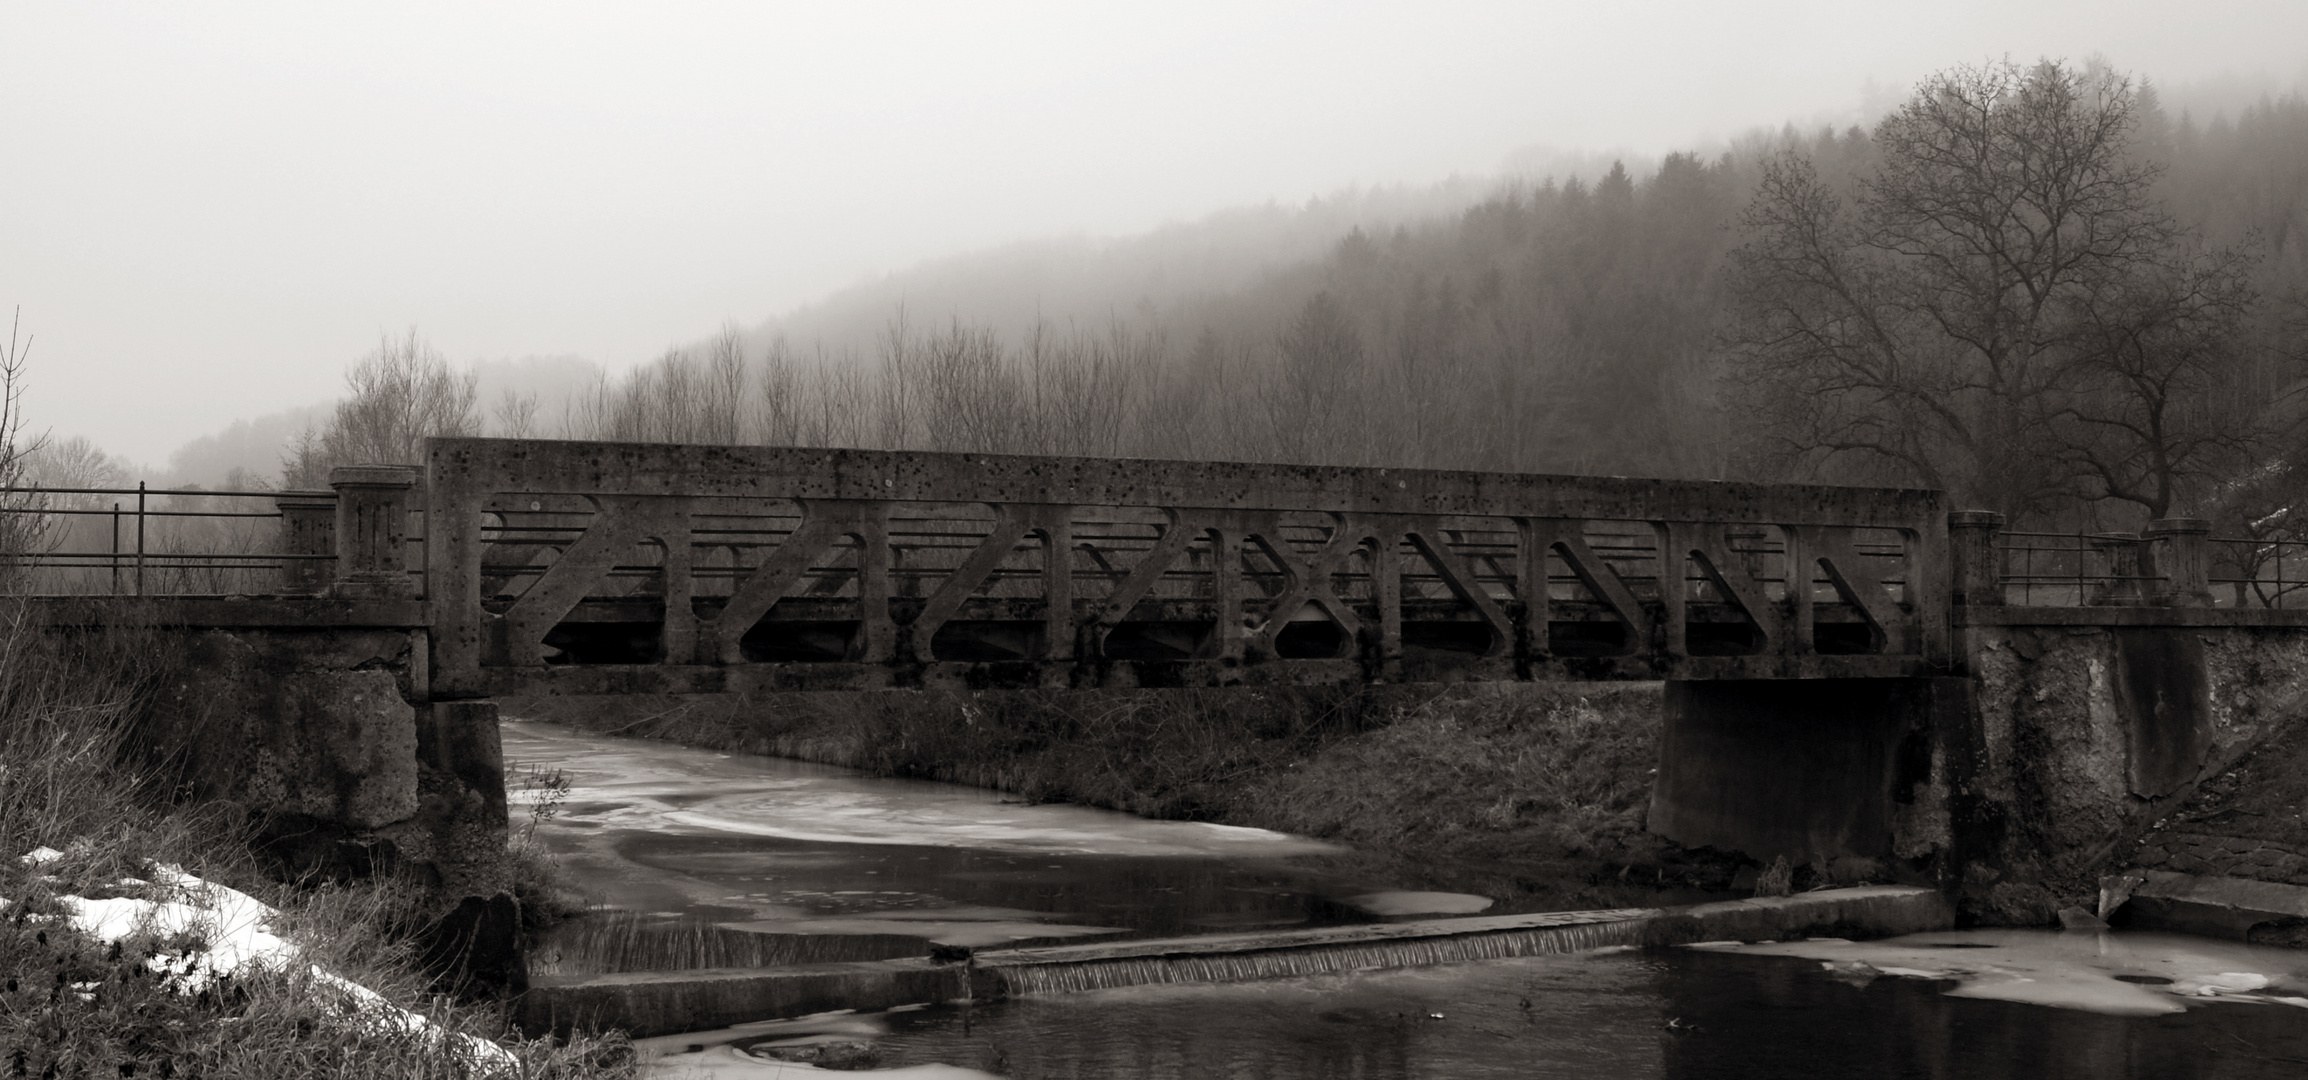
(92, 834)
(1533, 791)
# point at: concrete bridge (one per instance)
(1846, 684)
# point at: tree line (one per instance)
(2027, 286)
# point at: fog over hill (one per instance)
(1234, 280)
(1077, 281)
(1082, 281)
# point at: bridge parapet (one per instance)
(601, 567)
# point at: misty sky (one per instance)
(208, 210)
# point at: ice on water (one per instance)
(641, 785)
(2119, 973)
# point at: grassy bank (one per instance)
(74, 777)
(1505, 789)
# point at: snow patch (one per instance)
(232, 928)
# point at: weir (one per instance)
(663, 1002)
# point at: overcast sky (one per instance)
(207, 210)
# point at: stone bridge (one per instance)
(1846, 685)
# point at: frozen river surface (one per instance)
(705, 849)
(771, 846)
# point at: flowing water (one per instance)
(707, 859)
(710, 860)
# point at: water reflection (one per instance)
(1678, 1014)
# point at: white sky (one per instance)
(207, 210)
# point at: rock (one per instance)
(2288, 933)
(2021, 903)
(837, 1054)
(2114, 890)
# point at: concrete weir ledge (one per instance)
(665, 1002)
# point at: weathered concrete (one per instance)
(2239, 908)
(1836, 774)
(2083, 737)
(323, 737)
(762, 569)
(657, 1003)
(298, 726)
(1863, 912)
(2249, 822)
(646, 1003)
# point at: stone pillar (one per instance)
(308, 527)
(372, 531)
(1975, 564)
(2128, 571)
(2179, 550)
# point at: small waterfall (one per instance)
(610, 942)
(1312, 957)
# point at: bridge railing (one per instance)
(627, 566)
(2262, 573)
(2079, 568)
(2174, 562)
(146, 541)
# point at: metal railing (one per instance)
(2258, 573)
(2074, 569)
(144, 541)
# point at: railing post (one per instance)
(1975, 564)
(308, 526)
(372, 532)
(140, 538)
(2177, 548)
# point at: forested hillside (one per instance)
(2111, 329)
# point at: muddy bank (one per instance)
(1500, 790)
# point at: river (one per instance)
(711, 859)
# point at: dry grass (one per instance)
(72, 777)
(1548, 773)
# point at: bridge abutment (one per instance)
(311, 716)
(324, 737)
(1847, 776)
(2070, 737)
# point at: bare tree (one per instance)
(516, 415)
(402, 394)
(725, 403)
(780, 412)
(2001, 307)
(75, 463)
(1309, 400)
(23, 528)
